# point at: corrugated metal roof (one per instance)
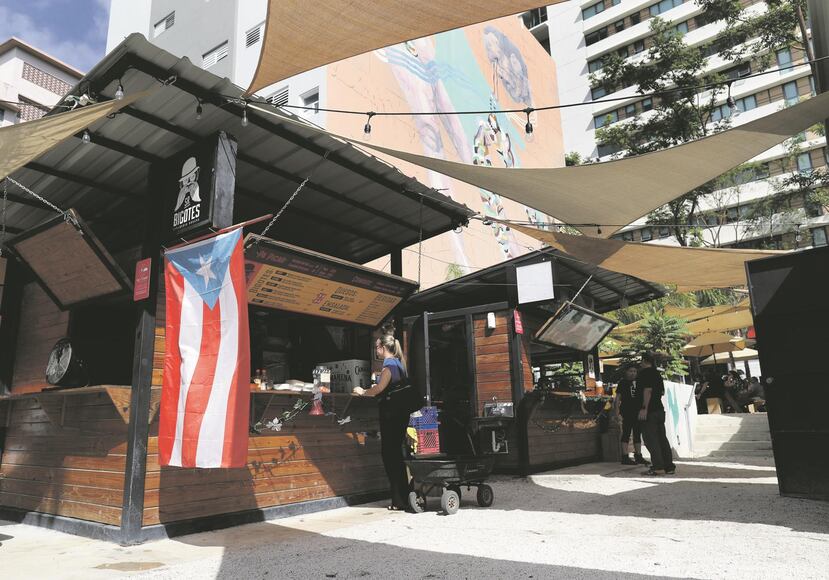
(356, 206)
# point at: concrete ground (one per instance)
(711, 520)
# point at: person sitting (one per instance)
(734, 390)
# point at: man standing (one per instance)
(652, 414)
(628, 402)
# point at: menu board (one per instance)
(287, 277)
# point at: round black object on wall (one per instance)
(65, 367)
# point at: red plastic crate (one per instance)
(428, 441)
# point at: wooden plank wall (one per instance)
(74, 470)
(553, 440)
(492, 359)
(42, 324)
(312, 458)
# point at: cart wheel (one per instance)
(417, 501)
(485, 495)
(457, 490)
(450, 502)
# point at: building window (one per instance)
(682, 28)
(635, 19)
(647, 104)
(604, 149)
(591, 11)
(627, 236)
(311, 99)
(595, 65)
(535, 17)
(219, 53)
(732, 214)
(2, 115)
(597, 92)
(595, 37)
(664, 232)
(647, 234)
(630, 110)
(44, 80)
(812, 89)
(638, 46)
(804, 163)
(279, 98)
(164, 24)
(600, 121)
(664, 6)
(784, 59)
(819, 237)
(619, 26)
(790, 93)
(253, 36)
(737, 72)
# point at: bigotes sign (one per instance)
(199, 186)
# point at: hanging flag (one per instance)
(203, 420)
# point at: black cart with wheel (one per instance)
(451, 474)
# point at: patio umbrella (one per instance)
(744, 354)
(713, 343)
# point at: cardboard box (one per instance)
(347, 374)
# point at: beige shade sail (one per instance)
(616, 193)
(25, 142)
(691, 314)
(302, 35)
(722, 323)
(685, 268)
(713, 343)
(737, 355)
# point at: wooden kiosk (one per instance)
(484, 363)
(84, 459)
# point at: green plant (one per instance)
(665, 335)
(453, 271)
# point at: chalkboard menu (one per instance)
(287, 277)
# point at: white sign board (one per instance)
(535, 282)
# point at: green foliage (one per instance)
(573, 158)
(665, 335)
(453, 271)
(568, 376)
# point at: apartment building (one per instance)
(31, 82)
(581, 34)
(454, 70)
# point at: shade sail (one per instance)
(722, 323)
(691, 314)
(737, 355)
(24, 142)
(713, 343)
(686, 268)
(300, 36)
(615, 193)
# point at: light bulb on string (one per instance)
(367, 127)
(199, 111)
(86, 137)
(528, 128)
(245, 114)
(119, 92)
(732, 104)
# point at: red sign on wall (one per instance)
(141, 290)
(519, 324)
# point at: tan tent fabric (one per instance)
(713, 343)
(691, 314)
(24, 142)
(737, 355)
(724, 322)
(619, 192)
(302, 35)
(686, 268)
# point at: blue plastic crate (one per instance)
(426, 418)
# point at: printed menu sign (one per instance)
(289, 278)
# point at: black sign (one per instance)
(199, 186)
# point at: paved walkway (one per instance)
(711, 520)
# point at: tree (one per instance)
(664, 335)
(684, 113)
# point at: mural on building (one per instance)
(484, 68)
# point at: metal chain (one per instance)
(420, 242)
(293, 195)
(45, 201)
(3, 216)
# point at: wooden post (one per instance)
(142, 370)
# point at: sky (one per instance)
(73, 31)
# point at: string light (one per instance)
(244, 114)
(119, 92)
(367, 128)
(199, 110)
(528, 128)
(86, 137)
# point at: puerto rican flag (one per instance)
(203, 421)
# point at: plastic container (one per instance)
(428, 441)
(426, 418)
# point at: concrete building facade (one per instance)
(456, 70)
(579, 34)
(31, 82)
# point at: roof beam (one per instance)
(119, 147)
(66, 176)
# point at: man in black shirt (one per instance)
(652, 413)
(628, 402)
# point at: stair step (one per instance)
(737, 454)
(733, 444)
(720, 437)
